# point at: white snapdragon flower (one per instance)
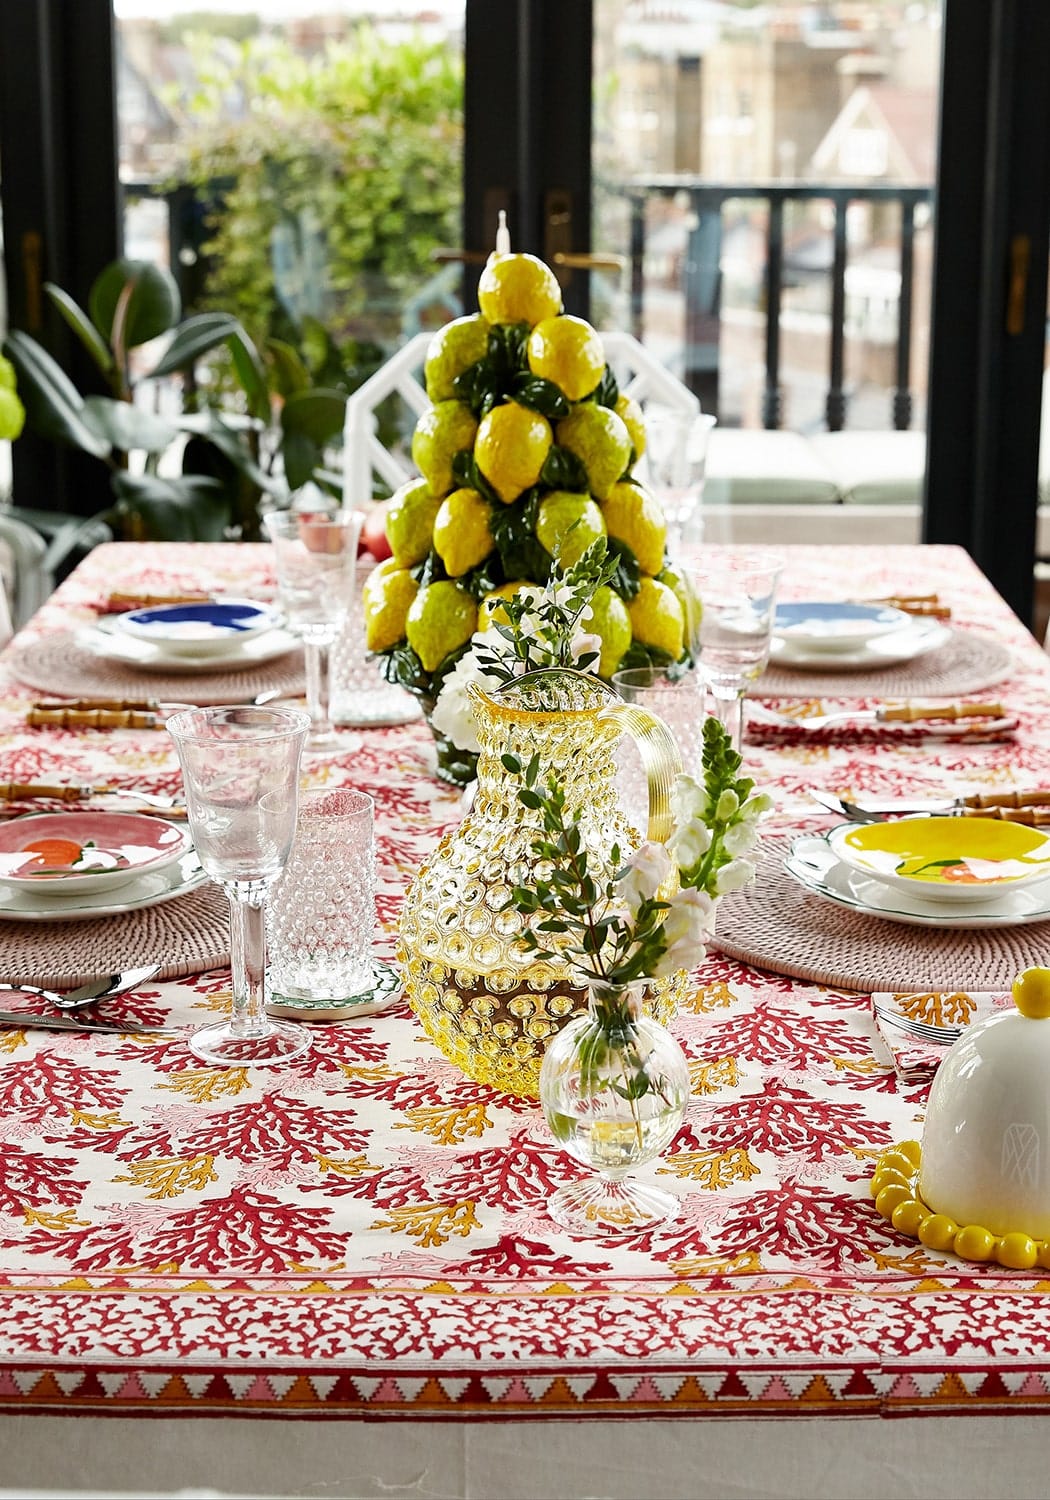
(582, 643)
(734, 876)
(728, 806)
(687, 926)
(688, 801)
(689, 844)
(647, 870)
(743, 834)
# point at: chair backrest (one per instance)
(637, 372)
(27, 579)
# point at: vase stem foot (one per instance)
(597, 1206)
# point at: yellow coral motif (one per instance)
(110, 1121)
(169, 1176)
(713, 1077)
(712, 1170)
(356, 1166)
(747, 1263)
(864, 1065)
(431, 1224)
(65, 1219)
(709, 997)
(365, 1073)
(205, 1084)
(938, 1008)
(11, 1040)
(447, 1123)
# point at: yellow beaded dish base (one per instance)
(895, 1189)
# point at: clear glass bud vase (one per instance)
(614, 1087)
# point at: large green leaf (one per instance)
(187, 509)
(301, 456)
(319, 414)
(231, 442)
(125, 426)
(290, 374)
(251, 372)
(195, 337)
(53, 404)
(153, 307)
(82, 326)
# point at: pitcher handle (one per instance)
(660, 758)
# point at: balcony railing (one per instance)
(703, 202)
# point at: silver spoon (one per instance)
(88, 994)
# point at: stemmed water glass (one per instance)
(732, 626)
(240, 772)
(316, 559)
(676, 456)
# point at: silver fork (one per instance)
(923, 1031)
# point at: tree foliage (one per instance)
(358, 146)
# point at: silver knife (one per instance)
(27, 1020)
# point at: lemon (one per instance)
(633, 515)
(610, 621)
(511, 448)
(491, 611)
(462, 535)
(630, 413)
(1031, 992)
(452, 350)
(656, 618)
(410, 515)
(518, 289)
(441, 619)
(441, 432)
(601, 442)
(387, 595)
(568, 351)
(567, 524)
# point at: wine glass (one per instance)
(316, 560)
(735, 590)
(240, 772)
(676, 455)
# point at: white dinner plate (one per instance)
(959, 860)
(201, 628)
(828, 625)
(103, 641)
(915, 639)
(144, 890)
(813, 863)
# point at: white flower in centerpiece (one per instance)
(734, 876)
(453, 715)
(689, 843)
(583, 644)
(689, 801)
(687, 926)
(648, 868)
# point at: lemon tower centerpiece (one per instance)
(526, 456)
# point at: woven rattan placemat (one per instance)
(186, 935)
(777, 924)
(966, 663)
(57, 665)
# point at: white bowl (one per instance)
(199, 629)
(946, 859)
(986, 1140)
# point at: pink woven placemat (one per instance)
(966, 663)
(57, 665)
(777, 924)
(186, 935)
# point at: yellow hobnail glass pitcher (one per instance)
(489, 1003)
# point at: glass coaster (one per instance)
(384, 992)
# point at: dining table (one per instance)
(343, 1269)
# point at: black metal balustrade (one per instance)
(702, 281)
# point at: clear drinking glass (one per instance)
(732, 627)
(680, 705)
(316, 562)
(240, 772)
(676, 455)
(321, 917)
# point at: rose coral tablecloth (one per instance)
(363, 1232)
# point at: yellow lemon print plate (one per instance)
(946, 859)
